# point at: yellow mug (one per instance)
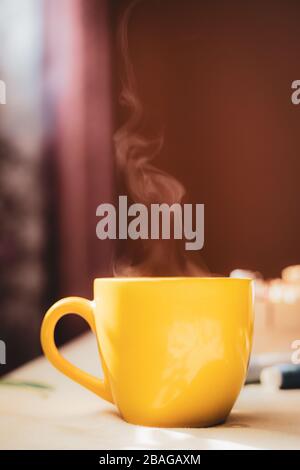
(174, 351)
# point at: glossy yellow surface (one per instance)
(174, 350)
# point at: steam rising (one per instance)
(145, 183)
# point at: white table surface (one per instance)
(70, 417)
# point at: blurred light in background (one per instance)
(21, 39)
(22, 195)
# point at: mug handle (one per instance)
(85, 309)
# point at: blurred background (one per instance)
(215, 76)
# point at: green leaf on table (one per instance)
(25, 384)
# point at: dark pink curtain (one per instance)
(78, 76)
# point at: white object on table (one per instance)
(70, 417)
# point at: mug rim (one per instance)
(172, 279)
